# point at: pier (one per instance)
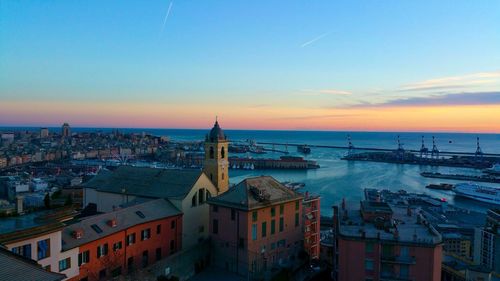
(449, 153)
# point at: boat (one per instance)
(304, 149)
(494, 170)
(478, 192)
(442, 186)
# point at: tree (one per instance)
(46, 200)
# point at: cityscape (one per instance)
(237, 140)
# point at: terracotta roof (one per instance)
(254, 193)
(99, 226)
(17, 268)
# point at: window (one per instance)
(254, 231)
(264, 229)
(172, 246)
(211, 152)
(140, 214)
(158, 229)
(297, 205)
(241, 243)
(130, 264)
(282, 209)
(116, 272)
(117, 246)
(222, 153)
(193, 201)
(215, 227)
(207, 194)
(201, 196)
(282, 224)
(158, 254)
(24, 251)
(96, 228)
(273, 212)
(369, 246)
(43, 249)
(254, 216)
(47, 268)
(172, 224)
(233, 214)
(64, 264)
(102, 250)
(145, 258)
(273, 227)
(403, 271)
(273, 246)
(130, 239)
(404, 252)
(215, 208)
(297, 219)
(83, 257)
(145, 234)
(369, 264)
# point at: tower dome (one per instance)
(216, 133)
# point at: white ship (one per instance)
(478, 192)
(495, 170)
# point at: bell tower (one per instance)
(216, 164)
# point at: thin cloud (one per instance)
(314, 40)
(454, 82)
(314, 117)
(470, 98)
(327, 92)
(166, 17)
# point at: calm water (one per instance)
(337, 178)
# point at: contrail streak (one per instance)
(166, 17)
(314, 40)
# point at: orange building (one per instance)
(124, 240)
(256, 226)
(381, 242)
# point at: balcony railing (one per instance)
(397, 259)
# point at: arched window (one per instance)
(211, 152)
(193, 201)
(201, 196)
(208, 194)
(222, 153)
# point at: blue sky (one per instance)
(298, 54)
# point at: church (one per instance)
(187, 190)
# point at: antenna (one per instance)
(435, 150)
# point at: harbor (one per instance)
(483, 178)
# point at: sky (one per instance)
(314, 65)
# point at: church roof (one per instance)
(254, 193)
(216, 133)
(146, 182)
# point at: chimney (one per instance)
(343, 203)
(78, 233)
(345, 215)
(19, 205)
(112, 222)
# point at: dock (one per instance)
(461, 177)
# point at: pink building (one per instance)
(311, 220)
(381, 242)
(256, 226)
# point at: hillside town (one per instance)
(72, 210)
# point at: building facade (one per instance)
(311, 218)
(256, 226)
(122, 241)
(382, 242)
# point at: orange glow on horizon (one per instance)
(485, 118)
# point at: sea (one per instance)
(337, 179)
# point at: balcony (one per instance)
(390, 276)
(397, 259)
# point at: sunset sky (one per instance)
(315, 65)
